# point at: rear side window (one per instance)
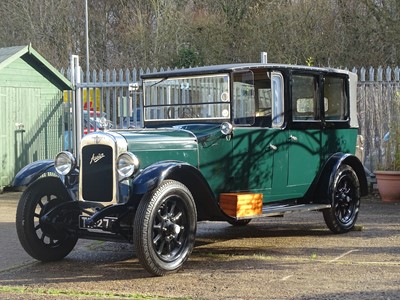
(305, 97)
(335, 98)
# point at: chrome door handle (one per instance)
(292, 138)
(272, 147)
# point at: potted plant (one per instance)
(388, 175)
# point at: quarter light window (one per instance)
(277, 99)
(335, 99)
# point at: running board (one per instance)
(280, 210)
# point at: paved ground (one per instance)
(294, 257)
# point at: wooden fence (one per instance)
(114, 94)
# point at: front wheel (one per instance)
(164, 228)
(345, 201)
(40, 239)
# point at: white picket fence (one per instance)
(114, 94)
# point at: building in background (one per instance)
(31, 110)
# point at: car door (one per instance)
(259, 143)
(305, 133)
(253, 159)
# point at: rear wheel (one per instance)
(165, 227)
(40, 239)
(345, 201)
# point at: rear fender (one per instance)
(322, 186)
(151, 177)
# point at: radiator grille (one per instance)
(97, 173)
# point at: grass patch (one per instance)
(358, 228)
(78, 294)
(235, 256)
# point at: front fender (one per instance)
(152, 176)
(33, 171)
(206, 202)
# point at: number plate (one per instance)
(102, 224)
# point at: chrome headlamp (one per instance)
(64, 163)
(127, 165)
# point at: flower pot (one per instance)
(389, 185)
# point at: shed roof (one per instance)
(33, 58)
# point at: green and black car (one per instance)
(225, 143)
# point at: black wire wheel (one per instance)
(345, 201)
(39, 238)
(164, 228)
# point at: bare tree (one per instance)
(155, 33)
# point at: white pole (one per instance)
(76, 105)
(264, 57)
(87, 35)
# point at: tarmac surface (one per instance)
(295, 257)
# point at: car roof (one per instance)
(227, 68)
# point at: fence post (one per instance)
(371, 74)
(388, 74)
(380, 74)
(362, 74)
(396, 74)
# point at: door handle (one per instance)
(272, 147)
(293, 138)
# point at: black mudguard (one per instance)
(206, 202)
(319, 191)
(33, 171)
(30, 173)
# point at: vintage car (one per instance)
(222, 143)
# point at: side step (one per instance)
(280, 210)
(277, 210)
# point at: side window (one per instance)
(277, 99)
(305, 98)
(335, 98)
(243, 95)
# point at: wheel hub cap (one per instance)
(171, 230)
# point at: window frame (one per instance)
(249, 120)
(346, 98)
(278, 115)
(165, 104)
(318, 116)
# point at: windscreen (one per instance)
(187, 98)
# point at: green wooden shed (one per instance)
(31, 110)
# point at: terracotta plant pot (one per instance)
(389, 185)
